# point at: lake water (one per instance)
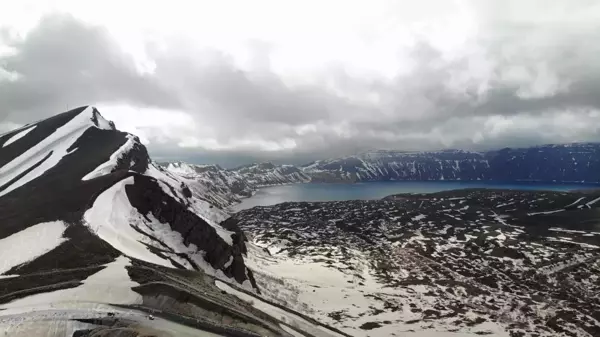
(377, 190)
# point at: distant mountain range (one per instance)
(578, 162)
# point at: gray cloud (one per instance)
(520, 84)
(65, 63)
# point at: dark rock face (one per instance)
(147, 197)
(561, 163)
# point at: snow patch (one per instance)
(116, 221)
(547, 212)
(110, 285)
(19, 136)
(593, 201)
(182, 169)
(575, 202)
(111, 164)
(101, 122)
(30, 243)
(419, 217)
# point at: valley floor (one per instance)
(459, 263)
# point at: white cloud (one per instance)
(294, 78)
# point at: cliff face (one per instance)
(567, 163)
(561, 163)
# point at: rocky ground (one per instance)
(478, 262)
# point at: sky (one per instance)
(236, 81)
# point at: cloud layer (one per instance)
(480, 77)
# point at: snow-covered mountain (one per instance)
(578, 162)
(96, 239)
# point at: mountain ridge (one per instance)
(97, 239)
(547, 163)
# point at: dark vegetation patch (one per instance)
(370, 326)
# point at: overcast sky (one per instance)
(291, 81)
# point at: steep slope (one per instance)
(94, 238)
(564, 163)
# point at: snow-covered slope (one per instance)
(567, 163)
(88, 222)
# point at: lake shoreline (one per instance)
(370, 190)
